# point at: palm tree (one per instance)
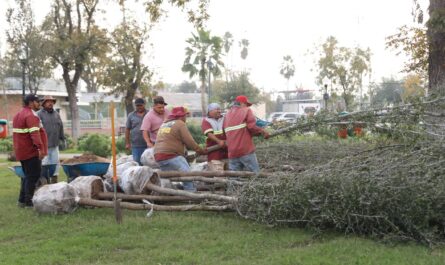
(287, 68)
(203, 48)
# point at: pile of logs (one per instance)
(158, 198)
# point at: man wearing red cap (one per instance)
(172, 140)
(239, 127)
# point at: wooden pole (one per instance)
(208, 180)
(178, 174)
(117, 203)
(160, 198)
(208, 196)
(137, 206)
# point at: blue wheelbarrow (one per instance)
(73, 171)
(47, 172)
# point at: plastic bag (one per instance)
(55, 198)
(124, 159)
(120, 168)
(198, 166)
(133, 180)
(148, 158)
(88, 186)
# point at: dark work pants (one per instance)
(32, 168)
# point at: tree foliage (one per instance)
(344, 67)
(413, 42)
(239, 84)
(187, 87)
(202, 47)
(287, 68)
(27, 46)
(126, 73)
(72, 39)
(196, 10)
(388, 92)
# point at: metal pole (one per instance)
(209, 87)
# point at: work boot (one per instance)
(53, 179)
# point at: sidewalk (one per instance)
(61, 156)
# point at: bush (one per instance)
(97, 144)
(6, 145)
(69, 142)
(120, 146)
(196, 132)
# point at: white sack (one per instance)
(55, 198)
(148, 158)
(133, 180)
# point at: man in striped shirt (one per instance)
(212, 127)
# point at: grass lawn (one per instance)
(90, 236)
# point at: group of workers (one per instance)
(167, 133)
(37, 134)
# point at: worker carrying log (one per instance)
(172, 140)
(212, 127)
(239, 126)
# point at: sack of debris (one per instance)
(55, 198)
(133, 180)
(124, 159)
(199, 166)
(88, 186)
(148, 158)
(120, 168)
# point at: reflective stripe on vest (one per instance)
(26, 130)
(237, 127)
(212, 131)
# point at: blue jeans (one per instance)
(137, 153)
(52, 158)
(248, 162)
(178, 163)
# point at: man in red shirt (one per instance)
(239, 127)
(212, 127)
(30, 146)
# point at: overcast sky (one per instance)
(274, 29)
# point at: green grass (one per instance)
(90, 236)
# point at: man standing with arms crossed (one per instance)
(54, 129)
(153, 120)
(239, 127)
(30, 147)
(134, 139)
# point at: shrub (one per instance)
(6, 145)
(196, 132)
(120, 146)
(97, 144)
(69, 142)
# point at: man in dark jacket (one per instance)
(30, 146)
(54, 129)
(134, 139)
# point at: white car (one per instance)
(284, 116)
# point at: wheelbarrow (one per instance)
(73, 171)
(47, 172)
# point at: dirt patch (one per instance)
(85, 158)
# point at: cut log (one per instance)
(136, 206)
(110, 196)
(206, 196)
(208, 180)
(88, 186)
(177, 174)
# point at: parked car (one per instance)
(284, 116)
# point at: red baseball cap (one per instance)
(178, 112)
(243, 99)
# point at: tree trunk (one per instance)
(203, 98)
(129, 96)
(135, 206)
(160, 198)
(71, 88)
(436, 39)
